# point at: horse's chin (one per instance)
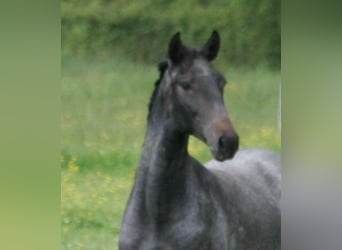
(222, 156)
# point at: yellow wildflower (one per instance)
(72, 166)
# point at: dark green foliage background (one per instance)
(250, 29)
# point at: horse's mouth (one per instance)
(226, 151)
(223, 155)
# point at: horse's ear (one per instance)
(211, 48)
(176, 48)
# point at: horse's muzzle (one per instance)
(227, 147)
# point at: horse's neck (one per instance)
(163, 170)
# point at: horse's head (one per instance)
(193, 92)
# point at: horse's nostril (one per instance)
(229, 142)
(223, 141)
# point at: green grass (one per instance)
(104, 109)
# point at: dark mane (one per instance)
(162, 67)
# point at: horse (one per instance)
(232, 202)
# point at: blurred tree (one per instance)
(141, 29)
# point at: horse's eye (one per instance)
(185, 85)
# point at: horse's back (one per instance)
(246, 158)
(251, 183)
(257, 165)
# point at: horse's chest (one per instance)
(190, 233)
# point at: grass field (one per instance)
(104, 108)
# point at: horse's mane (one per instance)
(162, 67)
